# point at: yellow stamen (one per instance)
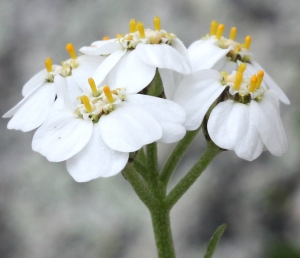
(119, 35)
(220, 31)
(232, 34)
(242, 67)
(105, 38)
(213, 28)
(141, 30)
(108, 94)
(48, 64)
(238, 80)
(253, 82)
(85, 101)
(132, 26)
(93, 86)
(260, 76)
(71, 50)
(247, 42)
(156, 21)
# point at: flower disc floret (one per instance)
(243, 94)
(93, 106)
(131, 40)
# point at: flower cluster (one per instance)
(97, 108)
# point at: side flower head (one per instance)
(241, 115)
(142, 50)
(96, 133)
(39, 95)
(225, 54)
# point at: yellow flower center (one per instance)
(241, 88)
(238, 51)
(138, 34)
(100, 101)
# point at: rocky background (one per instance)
(45, 214)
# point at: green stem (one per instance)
(186, 182)
(162, 232)
(139, 186)
(176, 156)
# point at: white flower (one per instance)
(143, 51)
(40, 91)
(223, 54)
(248, 128)
(245, 116)
(39, 95)
(96, 135)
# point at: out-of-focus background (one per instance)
(44, 213)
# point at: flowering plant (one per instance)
(104, 111)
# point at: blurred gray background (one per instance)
(45, 214)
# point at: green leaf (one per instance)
(214, 241)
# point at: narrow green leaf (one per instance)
(214, 241)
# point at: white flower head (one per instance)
(214, 51)
(39, 95)
(244, 116)
(143, 51)
(95, 133)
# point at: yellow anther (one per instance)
(93, 86)
(253, 82)
(105, 38)
(213, 28)
(242, 67)
(141, 29)
(247, 42)
(156, 21)
(132, 26)
(220, 31)
(119, 35)
(232, 34)
(48, 64)
(260, 76)
(71, 50)
(108, 94)
(85, 101)
(238, 80)
(224, 74)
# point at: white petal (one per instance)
(34, 109)
(180, 47)
(271, 83)
(251, 144)
(170, 115)
(131, 73)
(172, 132)
(62, 136)
(170, 80)
(13, 110)
(106, 66)
(204, 54)
(163, 56)
(37, 79)
(227, 123)
(162, 109)
(226, 65)
(103, 47)
(87, 65)
(96, 159)
(196, 93)
(128, 128)
(269, 125)
(68, 90)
